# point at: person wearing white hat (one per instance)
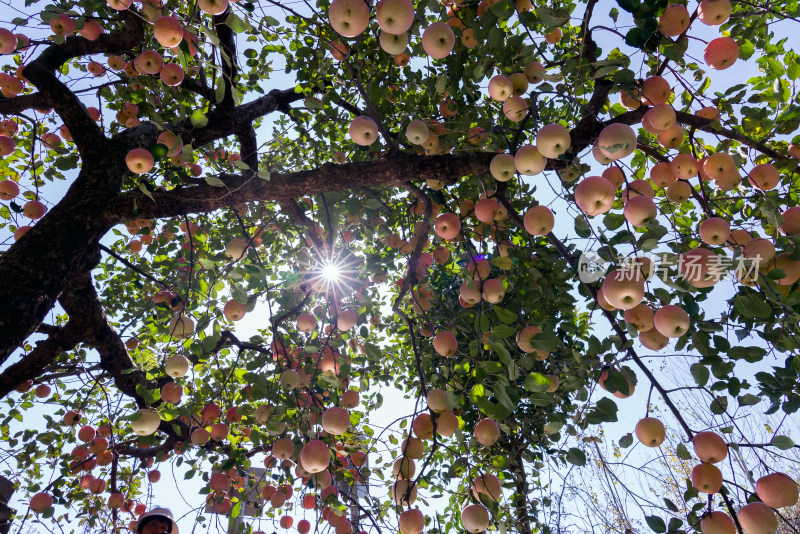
(157, 521)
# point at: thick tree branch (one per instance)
(196, 86)
(86, 134)
(221, 123)
(330, 177)
(19, 104)
(78, 328)
(248, 148)
(116, 42)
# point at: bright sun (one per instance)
(331, 272)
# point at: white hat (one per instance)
(163, 513)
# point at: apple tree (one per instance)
(538, 220)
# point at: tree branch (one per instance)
(18, 104)
(330, 177)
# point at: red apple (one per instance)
(503, 167)
(335, 420)
(539, 220)
(234, 311)
(349, 17)
(714, 231)
(315, 456)
(41, 502)
(640, 317)
(721, 53)
(777, 490)
(486, 432)
(445, 344)
(758, 518)
(552, 140)
(674, 21)
(764, 176)
(438, 40)
(656, 90)
(707, 478)
(709, 447)
(714, 12)
(411, 522)
(475, 518)
(617, 141)
(500, 88)
(212, 7)
(34, 209)
(139, 161)
(363, 130)
(168, 31)
(8, 190)
(717, 523)
(595, 195)
(529, 161)
(448, 226)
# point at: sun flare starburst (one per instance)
(331, 271)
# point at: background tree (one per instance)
(400, 193)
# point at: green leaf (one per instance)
(537, 382)
(219, 90)
(198, 119)
(784, 443)
(501, 352)
(655, 523)
(582, 227)
(746, 49)
(670, 505)
(552, 17)
(626, 440)
(147, 193)
(605, 411)
(540, 399)
(682, 452)
(237, 24)
(545, 341)
(748, 400)
(719, 405)
(504, 315)
(700, 373)
(238, 293)
(502, 262)
(576, 457)
(501, 395)
(213, 180)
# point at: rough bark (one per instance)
(281, 187)
(6, 490)
(36, 269)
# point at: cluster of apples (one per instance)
(721, 52)
(92, 452)
(9, 189)
(775, 490)
(502, 88)
(349, 18)
(404, 490)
